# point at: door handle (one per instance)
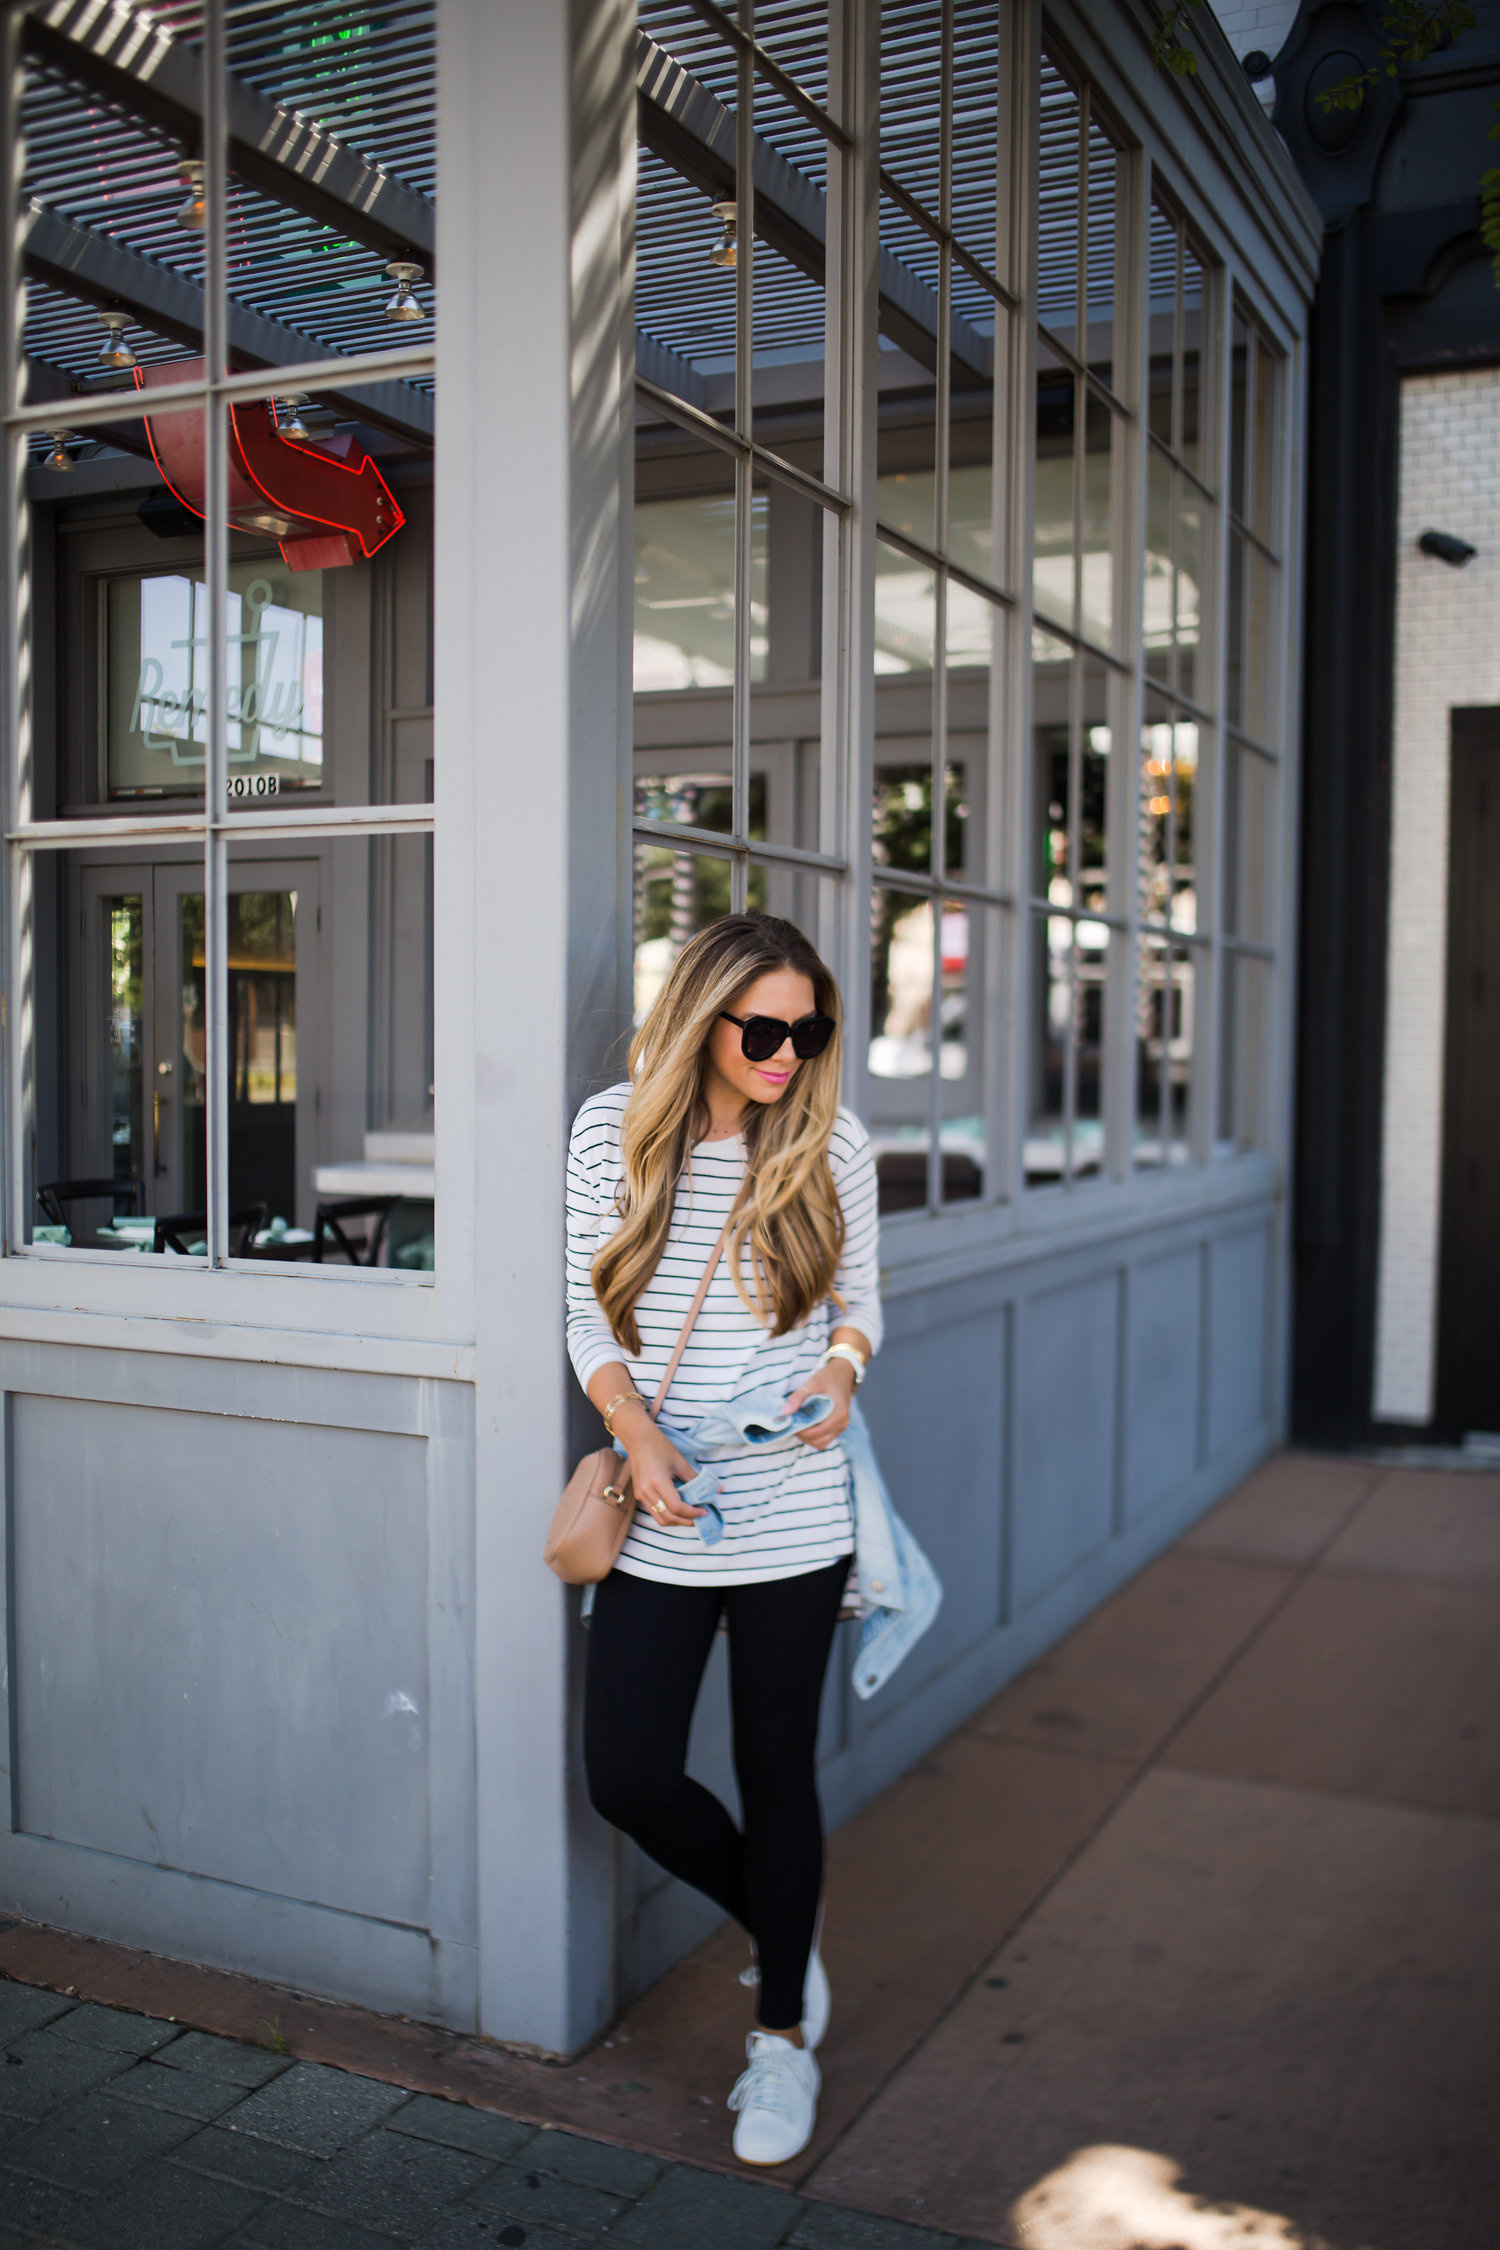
(163, 1070)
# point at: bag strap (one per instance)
(696, 1306)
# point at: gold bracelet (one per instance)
(610, 1411)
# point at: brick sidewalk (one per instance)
(1188, 1940)
(125, 2132)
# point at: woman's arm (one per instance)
(654, 1460)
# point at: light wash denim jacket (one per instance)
(899, 1593)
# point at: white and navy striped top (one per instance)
(784, 1512)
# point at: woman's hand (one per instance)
(656, 1468)
(835, 1380)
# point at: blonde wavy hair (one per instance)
(790, 1219)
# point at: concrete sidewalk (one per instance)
(1190, 1940)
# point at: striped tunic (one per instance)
(784, 1512)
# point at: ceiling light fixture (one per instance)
(404, 306)
(289, 422)
(192, 214)
(115, 352)
(725, 254)
(60, 457)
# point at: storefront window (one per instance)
(221, 774)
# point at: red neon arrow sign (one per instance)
(324, 511)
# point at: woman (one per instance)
(731, 1118)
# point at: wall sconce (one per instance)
(404, 306)
(115, 352)
(60, 457)
(1447, 548)
(725, 254)
(193, 213)
(289, 420)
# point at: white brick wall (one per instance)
(1447, 652)
(1255, 23)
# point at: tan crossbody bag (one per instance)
(594, 1514)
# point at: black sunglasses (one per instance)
(761, 1037)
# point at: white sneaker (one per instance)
(777, 2099)
(817, 1995)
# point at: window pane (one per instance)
(976, 94)
(155, 642)
(1157, 762)
(684, 301)
(1153, 1058)
(1055, 422)
(1091, 942)
(1190, 548)
(909, 62)
(905, 612)
(1102, 200)
(971, 489)
(1184, 824)
(1244, 1052)
(1098, 589)
(972, 628)
(676, 894)
(1092, 832)
(1194, 303)
(903, 812)
(1264, 490)
(684, 592)
(1164, 256)
(1249, 844)
(1050, 1029)
(1058, 167)
(1260, 647)
(1234, 634)
(900, 1060)
(1238, 414)
(906, 488)
(961, 1054)
(1160, 568)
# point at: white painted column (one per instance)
(535, 234)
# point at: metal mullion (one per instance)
(745, 43)
(699, 841)
(216, 573)
(945, 115)
(933, 559)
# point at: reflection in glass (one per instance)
(699, 797)
(901, 978)
(1159, 590)
(676, 894)
(1051, 1017)
(1058, 164)
(125, 938)
(1097, 620)
(906, 497)
(1189, 585)
(1092, 859)
(961, 1174)
(903, 818)
(1164, 1052)
(156, 698)
(684, 592)
(1238, 418)
(1245, 1000)
(1090, 974)
(1101, 213)
(1264, 476)
(970, 497)
(1053, 565)
(976, 157)
(1194, 301)
(1234, 634)
(1249, 826)
(1259, 687)
(262, 1053)
(905, 612)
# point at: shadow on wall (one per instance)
(1128, 2199)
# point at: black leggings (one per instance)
(647, 1646)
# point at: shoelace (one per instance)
(771, 2081)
